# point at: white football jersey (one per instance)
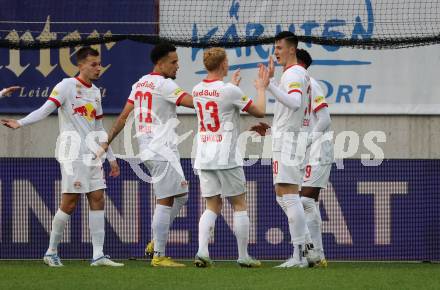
(319, 102)
(218, 107)
(79, 106)
(285, 120)
(155, 99)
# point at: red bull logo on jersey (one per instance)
(210, 93)
(146, 84)
(87, 111)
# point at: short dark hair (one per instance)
(289, 36)
(161, 50)
(84, 52)
(303, 56)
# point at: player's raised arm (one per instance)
(258, 109)
(236, 78)
(291, 99)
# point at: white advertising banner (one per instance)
(355, 81)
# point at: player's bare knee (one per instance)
(68, 203)
(285, 188)
(311, 192)
(68, 208)
(238, 202)
(97, 204)
(96, 200)
(239, 206)
(167, 201)
(218, 205)
(214, 204)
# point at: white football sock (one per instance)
(161, 228)
(97, 231)
(318, 212)
(319, 244)
(312, 220)
(241, 230)
(59, 222)
(296, 218)
(206, 231)
(179, 202)
(281, 203)
(309, 211)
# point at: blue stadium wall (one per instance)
(389, 212)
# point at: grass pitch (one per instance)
(79, 275)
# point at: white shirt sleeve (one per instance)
(324, 120)
(132, 98)
(59, 94)
(172, 92)
(318, 101)
(291, 100)
(39, 114)
(238, 98)
(55, 100)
